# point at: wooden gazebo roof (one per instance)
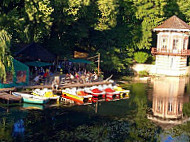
(173, 23)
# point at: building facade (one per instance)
(172, 47)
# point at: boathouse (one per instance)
(172, 48)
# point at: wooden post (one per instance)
(96, 107)
(8, 101)
(98, 64)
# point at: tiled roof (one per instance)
(173, 23)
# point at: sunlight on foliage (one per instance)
(108, 12)
(6, 63)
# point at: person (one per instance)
(67, 76)
(88, 77)
(55, 83)
(79, 73)
(83, 78)
(71, 77)
(37, 78)
(95, 76)
(77, 76)
(45, 74)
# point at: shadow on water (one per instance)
(134, 119)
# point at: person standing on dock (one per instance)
(55, 83)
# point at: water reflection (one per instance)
(18, 128)
(169, 95)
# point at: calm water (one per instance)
(156, 111)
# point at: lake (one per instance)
(156, 111)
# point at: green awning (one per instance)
(80, 61)
(38, 64)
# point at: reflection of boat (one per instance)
(28, 98)
(45, 93)
(72, 95)
(32, 106)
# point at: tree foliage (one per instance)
(38, 19)
(108, 14)
(141, 57)
(114, 28)
(6, 63)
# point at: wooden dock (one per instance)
(7, 89)
(9, 98)
(78, 85)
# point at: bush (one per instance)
(150, 60)
(143, 73)
(140, 57)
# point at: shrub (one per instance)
(143, 73)
(150, 60)
(140, 57)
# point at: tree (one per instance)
(183, 6)
(38, 20)
(6, 63)
(149, 14)
(108, 14)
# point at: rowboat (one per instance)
(29, 98)
(76, 96)
(35, 100)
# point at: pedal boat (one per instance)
(111, 94)
(96, 93)
(72, 95)
(124, 94)
(46, 93)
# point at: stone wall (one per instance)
(144, 67)
(152, 70)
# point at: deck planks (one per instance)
(9, 98)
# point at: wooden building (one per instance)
(172, 47)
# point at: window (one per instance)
(164, 42)
(170, 106)
(175, 44)
(159, 105)
(184, 44)
(179, 110)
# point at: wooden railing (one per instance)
(156, 51)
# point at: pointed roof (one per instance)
(173, 24)
(34, 52)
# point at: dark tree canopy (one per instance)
(114, 28)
